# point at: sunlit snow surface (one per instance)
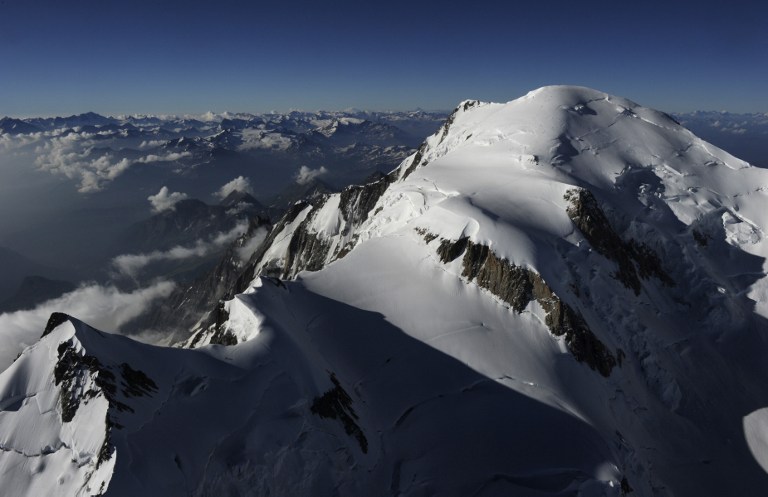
(453, 392)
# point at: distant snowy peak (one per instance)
(184, 144)
(294, 121)
(13, 126)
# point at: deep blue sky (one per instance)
(65, 57)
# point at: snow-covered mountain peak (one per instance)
(563, 137)
(569, 126)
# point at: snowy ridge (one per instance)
(297, 409)
(55, 440)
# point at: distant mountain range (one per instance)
(15, 268)
(744, 135)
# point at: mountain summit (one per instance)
(560, 295)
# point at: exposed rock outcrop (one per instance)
(81, 377)
(337, 404)
(635, 260)
(518, 286)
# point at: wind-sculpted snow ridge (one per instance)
(302, 407)
(560, 295)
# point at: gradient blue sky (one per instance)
(64, 57)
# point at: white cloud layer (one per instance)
(256, 139)
(306, 175)
(239, 184)
(173, 156)
(164, 199)
(151, 144)
(130, 265)
(250, 246)
(103, 307)
(75, 156)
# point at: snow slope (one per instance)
(251, 419)
(561, 295)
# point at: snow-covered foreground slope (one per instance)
(325, 399)
(561, 295)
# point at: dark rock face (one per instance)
(221, 336)
(427, 235)
(626, 489)
(701, 238)
(635, 260)
(517, 287)
(309, 252)
(337, 404)
(449, 250)
(306, 251)
(357, 201)
(416, 161)
(56, 319)
(136, 383)
(564, 321)
(512, 284)
(70, 366)
(247, 275)
(70, 373)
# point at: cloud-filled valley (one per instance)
(107, 307)
(130, 265)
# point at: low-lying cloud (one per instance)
(164, 199)
(151, 144)
(103, 307)
(250, 246)
(170, 157)
(76, 156)
(258, 139)
(239, 184)
(68, 158)
(306, 175)
(131, 265)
